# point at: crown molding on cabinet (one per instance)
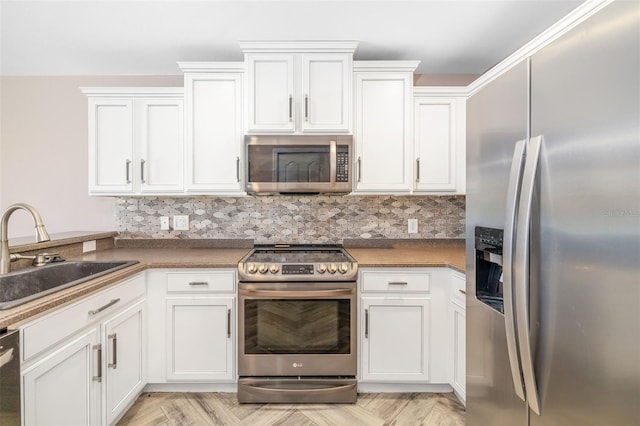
(437, 91)
(387, 66)
(303, 46)
(212, 67)
(149, 92)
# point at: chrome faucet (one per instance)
(41, 233)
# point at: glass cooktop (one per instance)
(293, 254)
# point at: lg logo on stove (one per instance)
(297, 365)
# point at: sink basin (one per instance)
(25, 285)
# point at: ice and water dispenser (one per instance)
(489, 267)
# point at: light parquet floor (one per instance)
(178, 409)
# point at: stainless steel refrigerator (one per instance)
(553, 232)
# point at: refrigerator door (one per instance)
(585, 102)
(497, 119)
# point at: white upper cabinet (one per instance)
(270, 89)
(214, 123)
(110, 145)
(299, 87)
(439, 140)
(135, 140)
(327, 92)
(383, 130)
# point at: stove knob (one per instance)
(262, 268)
(333, 268)
(322, 268)
(274, 269)
(252, 268)
(343, 268)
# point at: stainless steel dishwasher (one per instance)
(9, 378)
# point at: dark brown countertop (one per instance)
(148, 258)
(386, 255)
(451, 257)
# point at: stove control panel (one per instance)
(275, 264)
(298, 269)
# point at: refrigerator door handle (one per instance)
(515, 178)
(521, 267)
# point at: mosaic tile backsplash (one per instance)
(295, 219)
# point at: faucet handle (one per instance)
(42, 259)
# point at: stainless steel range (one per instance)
(297, 325)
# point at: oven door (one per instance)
(297, 329)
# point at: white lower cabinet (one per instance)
(124, 355)
(192, 320)
(402, 334)
(60, 389)
(396, 335)
(200, 347)
(411, 330)
(90, 374)
(458, 334)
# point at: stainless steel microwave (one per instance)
(298, 164)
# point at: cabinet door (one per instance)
(436, 138)
(200, 339)
(270, 92)
(64, 388)
(395, 340)
(160, 136)
(125, 363)
(458, 329)
(326, 84)
(110, 146)
(214, 132)
(383, 132)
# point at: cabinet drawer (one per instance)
(458, 288)
(401, 281)
(201, 282)
(50, 329)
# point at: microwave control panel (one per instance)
(342, 167)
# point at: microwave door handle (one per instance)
(333, 153)
(515, 178)
(522, 267)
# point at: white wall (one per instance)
(43, 151)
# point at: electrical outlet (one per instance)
(181, 222)
(164, 223)
(89, 246)
(412, 226)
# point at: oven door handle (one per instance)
(314, 391)
(296, 294)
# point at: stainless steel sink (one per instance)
(25, 285)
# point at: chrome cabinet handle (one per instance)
(359, 169)
(523, 308)
(366, 323)
(229, 323)
(417, 170)
(199, 283)
(290, 108)
(114, 350)
(128, 171)
(102, 308)
(397, 283)
(238, 169)
(515, 176)
(462, 291)
(306, 107)
(142, 171)
(98, 377)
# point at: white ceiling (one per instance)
(104, 37)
